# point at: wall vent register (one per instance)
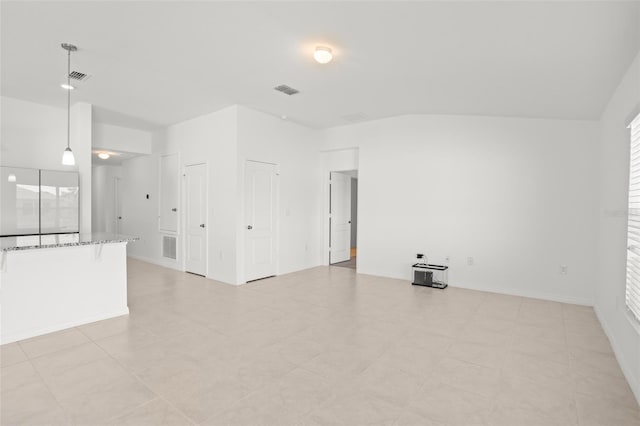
(169, 247)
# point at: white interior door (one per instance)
(196, 213)
(260, 220)
(340, 218)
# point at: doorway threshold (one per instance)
(351, 263)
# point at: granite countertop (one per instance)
(29, 242)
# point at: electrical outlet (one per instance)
(470, 261)
(564, 269)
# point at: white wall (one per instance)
(614, 180)
(118, 138)
(34, 135)
(224, 140)
(81, 125)
(212, 139)
(295, 150)
(123, 139)
(515, 194)
(139, 177)
(139, 214)
(103, 204)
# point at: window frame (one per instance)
(634, 169)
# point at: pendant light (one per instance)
(67, 156)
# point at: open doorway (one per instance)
(343, 219)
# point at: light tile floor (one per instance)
(319, 347)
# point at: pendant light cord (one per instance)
(68, 98)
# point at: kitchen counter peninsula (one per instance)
(57, 281)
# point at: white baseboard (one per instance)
(171, 264)
(500, 290)
(223, 282)
(290, 271)
(26, 334)
(530, 294)
(627, 370)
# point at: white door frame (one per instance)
(335, 252)
(182, 218)
(336, 160)
(179, 189)
(241, 252)
(117, 189)
(177, 263)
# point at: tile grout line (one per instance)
(574, 393)
(55, 398)
(26, 358)
(140, 381)
(75, 345)
(509, 346)
(44, 382)
(133, 375)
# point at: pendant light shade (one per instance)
(68, 158)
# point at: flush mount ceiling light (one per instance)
(104, 155)
(67, 156)
(66, 86)
(11, 178)
(323, 54)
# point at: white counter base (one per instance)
(50, 289)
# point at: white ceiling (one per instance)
(163, 62)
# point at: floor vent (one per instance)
(169, 247)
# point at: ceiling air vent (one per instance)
(78, 76)
(286, 89)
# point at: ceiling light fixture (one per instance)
(323, 54)
(103, 155)
(67, 156)
(67, 87)
(11, 178)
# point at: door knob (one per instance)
(249, 227)
(202, 225)
(175, 209)
(119, 217)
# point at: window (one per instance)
(632, 295)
